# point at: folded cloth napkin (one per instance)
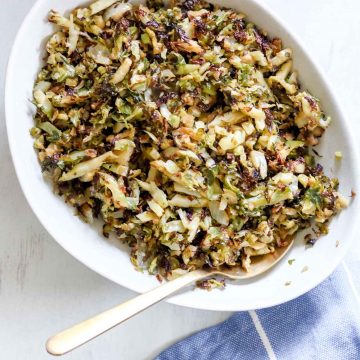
(322, 324)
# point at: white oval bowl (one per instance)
(110, 259)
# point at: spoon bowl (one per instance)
(259, 265)
(87, 330)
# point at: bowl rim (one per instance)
(344, 119)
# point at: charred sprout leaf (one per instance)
(49, 163)
(184, 129)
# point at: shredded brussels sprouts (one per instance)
(184, 128)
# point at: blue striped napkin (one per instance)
(323, 324)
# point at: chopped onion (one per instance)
(219, 215)
(116, 11)
(101, 5)
(122, 71)
(100, 54)
(184, 202)
(155, 207)
(259, 162)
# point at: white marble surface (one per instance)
(43, 289)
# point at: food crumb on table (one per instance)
(304, 269)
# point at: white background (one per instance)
(43, 289)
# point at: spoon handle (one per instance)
(87, 330)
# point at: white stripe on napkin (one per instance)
(351, 282)
(262, 334)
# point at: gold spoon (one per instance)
(89, 329)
